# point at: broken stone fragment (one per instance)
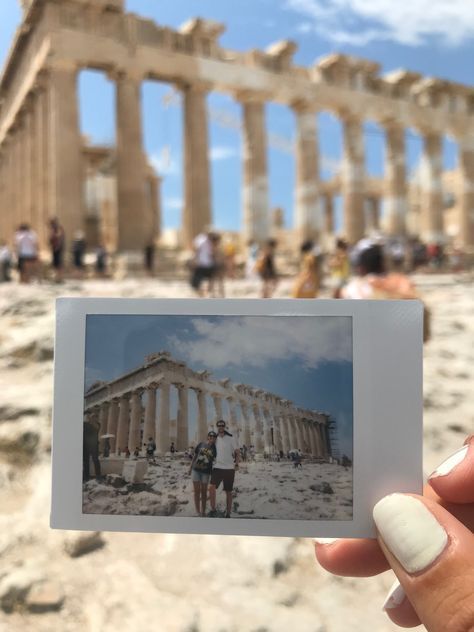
(45, 596)
(81, 542)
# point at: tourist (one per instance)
(26, 245)
(126, 451)
(149, 258)
(200, 470)
(225, 464)
(428, 542)
(101, 261)
(150, 449)
(372, 281)
(5, 262)
(340, 267)
(90, 449)
(136, 452)
(78, 252)
(308, 281)
(57, 241)
(172, 448)
(202, 267)
(252, 258)
(216, 285)
(265, 268)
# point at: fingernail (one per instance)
(450, 463)
(395, 596)
(410, 531)
(325, 541)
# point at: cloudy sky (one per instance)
(305, 359)
(434, 37)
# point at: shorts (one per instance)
(200, 477)
(226, 476)
(57, 259)
(199, 275)
(25, 259)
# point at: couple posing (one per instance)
(217, 459)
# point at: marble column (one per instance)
(134, 217)
(284, 432)
(395, 201)
(27, 162)
(258, 434)
(312, 439)
(277, 432)
(162, 432)
(155, 204)
(256, 203)
(466, 194)
(372, 213)
(247, 440)
(103, 414)
(112, 422)
(182, 427)
(45, 175)
(233, 421)
(267, 433)
(432, 229)
(202, 415)
(291, 432)
(123, 423)
(308, 215)
(66, 199)
(150, 413)
(218, 406)
(197, 179)
(319, 440)
(328, 214)
(299, 433)
(353, 176)
(136, 415)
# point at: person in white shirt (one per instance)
(225, 464)
(26, 244)
(204, 261)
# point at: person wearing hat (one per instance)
(227, 461)
(200, 470)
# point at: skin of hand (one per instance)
(428, 541)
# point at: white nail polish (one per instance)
(450, 463)
(410, 531)
(395, 596)
(325, 540)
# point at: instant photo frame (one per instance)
(381, 340)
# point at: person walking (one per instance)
(307, 281)
(78, 251)
(200, 471)
(57, 242)
(202, 268)
(225, 464)
(26, 245)
(266, 270)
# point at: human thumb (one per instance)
(432, 555)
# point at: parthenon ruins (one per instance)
(268, 422)
(42, 162)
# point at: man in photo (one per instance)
(225, 464)
(200, 470)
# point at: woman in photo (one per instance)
(200, 470)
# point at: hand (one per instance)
(428, 542)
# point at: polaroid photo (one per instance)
(250, 417)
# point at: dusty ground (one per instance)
(182, 583)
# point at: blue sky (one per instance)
(433, 37)
(305, 359)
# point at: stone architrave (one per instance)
(134, 216)
(112, 422)
(258, 434)
(432, 229)
(202, 415)
(256, 203)
(163, 422)
(123, 423)
(466, 194)
(150, 413)
(395, 201)
(308, 208)
(136, 415)
(197, 180)
(353, 177)
(182, 425)
(65, 161)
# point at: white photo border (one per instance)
(387, 410)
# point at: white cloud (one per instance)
(222, 152)
(164, 163)
(256, 341)
(173, 203)
(411, 22)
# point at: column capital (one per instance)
(304, 106)
(196, 86)
(124, 74)
(62, 65)
(252, 96)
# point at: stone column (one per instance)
(134, 218)
(123, 423)
(372, 213)
(162, 432)
(233, 422)
(267, 433)
(291, 432)
(319, 440)
(284, 432)
(65, 149)
(466, 198)
(308, 219)
(150, 413)
(155, 203)
(395, 202)
(245, 415)
(103, 414)
(432, 230)
(277, 432)
(202, 415)
(256, 211)
(258, 438)
(45, 175)
(182, 421)
(27, 162)
(197, 179)
(112, 421)
(136, 415)
(299, 433)
(218, 406)
(329, 214)
(353, 175)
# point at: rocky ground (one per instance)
(70, 582)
